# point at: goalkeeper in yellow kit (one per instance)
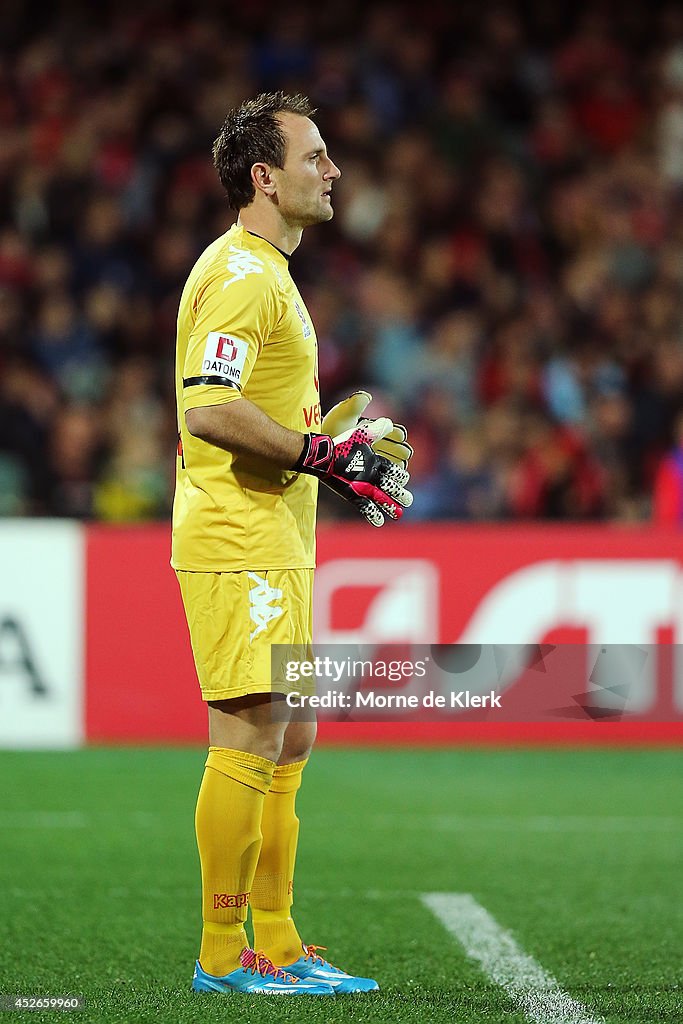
(248, 468)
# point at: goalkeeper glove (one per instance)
(348, 464)
(349, 413)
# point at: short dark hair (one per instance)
(252, 134)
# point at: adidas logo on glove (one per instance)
(357, 464)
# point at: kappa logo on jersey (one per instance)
(224, 356)
(240, 263)
(304, 321)
(357, 464)
(261, 611)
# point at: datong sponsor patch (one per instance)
(224, 356)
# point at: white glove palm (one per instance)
(349, 413)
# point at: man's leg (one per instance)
(246, 734)
(271, 896)
(271, 902)
(245, 745)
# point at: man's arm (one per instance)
(346, 463)
(240, 426)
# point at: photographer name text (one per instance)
(393, 701)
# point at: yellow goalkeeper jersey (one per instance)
(243, 330)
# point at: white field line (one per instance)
(534, 991)
(117, 892)
(77, 819)
(434, 822)
(537, 823)
(42, 819)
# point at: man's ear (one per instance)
(262, 179)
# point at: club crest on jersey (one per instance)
(224, 356)
(240, 263)
(304, 321)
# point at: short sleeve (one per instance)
(234, 318)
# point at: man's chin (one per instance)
(327, 213)
(318, 218)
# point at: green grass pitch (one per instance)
(576, 853)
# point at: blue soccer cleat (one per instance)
(259, 976)
(312, 967)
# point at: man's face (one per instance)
(304, 184)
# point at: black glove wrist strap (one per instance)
(317, 455)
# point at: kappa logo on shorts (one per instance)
(261, 611)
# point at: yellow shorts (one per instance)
(235, 617)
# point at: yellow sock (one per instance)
(271, 893)
(228, 826)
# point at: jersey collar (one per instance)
(286, 256)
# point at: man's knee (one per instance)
(298, 742)
(256, 723)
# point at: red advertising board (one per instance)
(140, 681)
(413, 584)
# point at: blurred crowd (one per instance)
(504, 271)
